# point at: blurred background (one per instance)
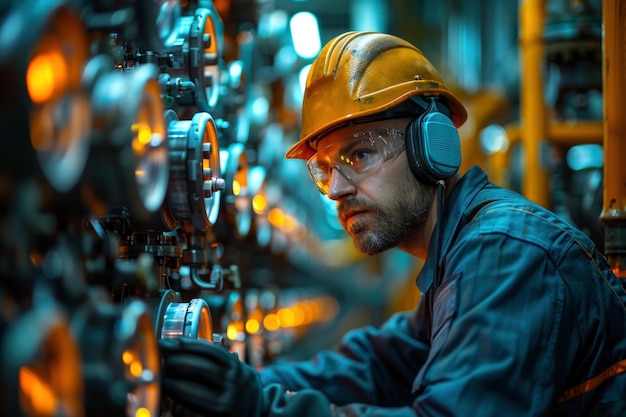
(144, 193)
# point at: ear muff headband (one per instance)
(433, 146)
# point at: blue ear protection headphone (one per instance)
(433, 146)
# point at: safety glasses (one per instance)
(355, 155)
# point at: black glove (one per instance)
(209, 380)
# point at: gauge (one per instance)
(192, 319)
(128, 164)
(121, 362)
(40, 365)
(50, 118)
(203, 37)
(166, 298)
(207, 35)
(148, 144)
(195, 183)
(60, 118)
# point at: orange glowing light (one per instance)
(231, 332)
(35, 394)
(128, 357)
(136, 369)
(307, 311)
(45, 76)
(259, 203)
(236, 187)
(287, 317)
(142, 412)
(298, 316)
(252, 326)
(144, 135)
(276, 218)
(271, 322)
(289, 224)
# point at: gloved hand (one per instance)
(209, 380)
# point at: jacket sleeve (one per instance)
(277, 402)
(374, 366)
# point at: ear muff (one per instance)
(433, 146)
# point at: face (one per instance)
(380, 203)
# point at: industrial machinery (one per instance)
(144, 194)
(125, 146)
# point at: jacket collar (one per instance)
(459, 209)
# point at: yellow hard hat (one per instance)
(359, 74)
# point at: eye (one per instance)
(362, 156)
(360, 159)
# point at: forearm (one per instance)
(311, 403)
(372, 365)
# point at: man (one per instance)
(520, 315)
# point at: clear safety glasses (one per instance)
(355, 155)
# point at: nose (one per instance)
(339, 185)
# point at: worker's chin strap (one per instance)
(438, 232)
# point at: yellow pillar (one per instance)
(614, 84)
(533, 109)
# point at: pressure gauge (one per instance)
(121, 362)
(60, 119)
(45, 48)
(128, 164)
(202, 35)
(195, 183)
(192, 319)
(40, 365)
(212, 28)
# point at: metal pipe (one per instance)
(533, 108)
(614, 204)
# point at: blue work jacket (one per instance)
(519, 316)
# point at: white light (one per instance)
(585, 156)
(256, 176)
(260, 107)
(273, 24)
(494, 139)
(305, 34)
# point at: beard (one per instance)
(387, 225)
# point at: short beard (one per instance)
(391, 224)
